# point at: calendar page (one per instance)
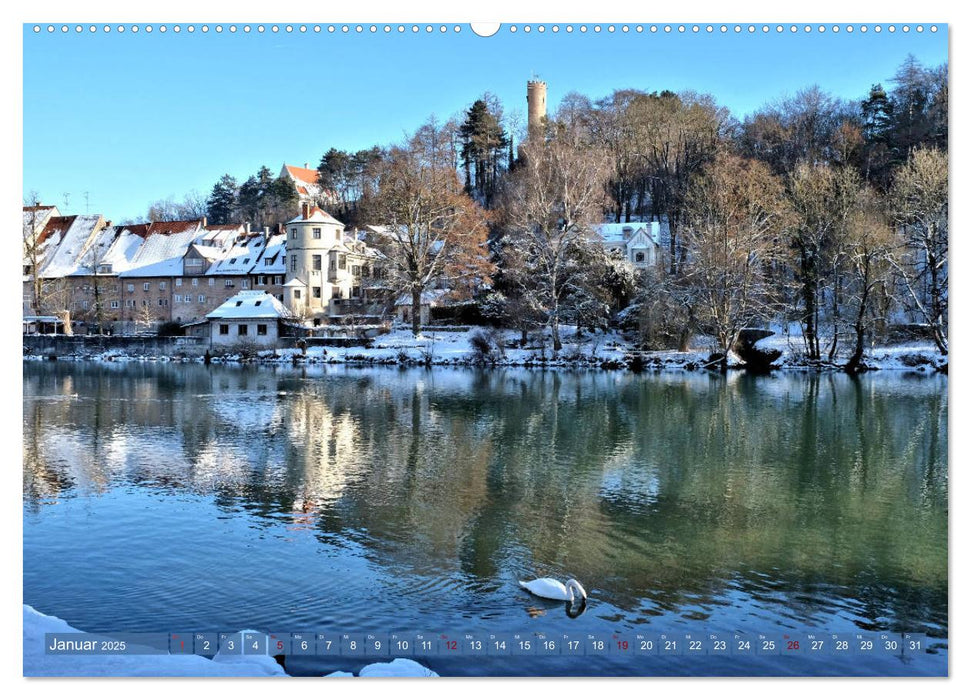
(612, 349)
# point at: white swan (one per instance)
(554, 590)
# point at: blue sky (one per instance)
(131, 118)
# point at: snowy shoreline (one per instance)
(39, 664)
(600, 351)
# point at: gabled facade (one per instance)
(638, 242)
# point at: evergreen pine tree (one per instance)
(222, 205)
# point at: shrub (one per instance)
(487, 346)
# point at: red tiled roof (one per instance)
(140, 230)
(302, 174)
(167, 228)
(54, 225)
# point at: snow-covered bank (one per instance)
(37, 663)
(489, 347)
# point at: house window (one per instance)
(178, 282)
(229, 283)
(178, 298)
(316, 292)
(115, 305)
(223, 329)
(342, 262)
(84, 304)
(130, 302)
(639, 257)
(161, 286)
(131, 288)
(260, 329)
(293, 263)
(212, 281)
(293, 233)
(195, 281)
(356, 292)
(146, 286)
(202, 298)
(335, 292)
(316, 261)
(261, 281)
(333, 264)
(296, 293)
(163, 302)
(278, 279)
(243, 329)
(356, 270)
(316, 233)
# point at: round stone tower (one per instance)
(310, 240)
(536, 104)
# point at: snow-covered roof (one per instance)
(316, 214)
(250, 304)
(161, 254)
(239, 259)
(429, 296)
(621, 233)
(64, 247)
(36, 216)
(273, 260)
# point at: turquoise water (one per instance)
(163, 497)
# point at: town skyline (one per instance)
(190, 153)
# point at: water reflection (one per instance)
(801, 500)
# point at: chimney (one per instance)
(247, 228)
(204, 222)
(266, 236)
(305, 208)
(306, 166)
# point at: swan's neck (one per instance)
(573, 586)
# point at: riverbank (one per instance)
(494, 348)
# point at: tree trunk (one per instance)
(415, 311)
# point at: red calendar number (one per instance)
(792, 645)
(452, 645)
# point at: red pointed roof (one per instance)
(302, 174)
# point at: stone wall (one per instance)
(132, 345)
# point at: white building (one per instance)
(324, 267)
(247, 318)
(638, 242)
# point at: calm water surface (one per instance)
(188, 498)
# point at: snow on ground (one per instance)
(396, 668)
(37, 663)
(592, 350)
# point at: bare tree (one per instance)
(676, 135)
(435, 231)
(869, 243)
(94, 260)
(920, 204)
(32, 249)
(553, 199)
(735, 215)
